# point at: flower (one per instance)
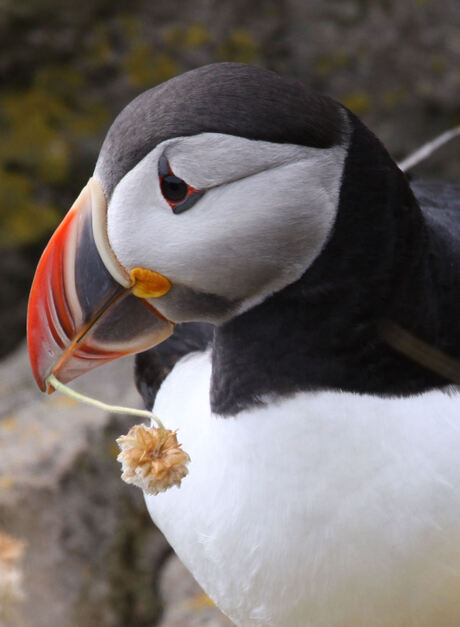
(152, 458)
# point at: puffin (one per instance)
(264, 240)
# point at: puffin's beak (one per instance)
(85, 309)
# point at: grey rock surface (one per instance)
(93, 557)
(185, 603)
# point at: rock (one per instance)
(92, 555)
(185, 602)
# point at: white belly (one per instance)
(321, 510)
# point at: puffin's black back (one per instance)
(383, 261)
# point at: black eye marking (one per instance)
(178, 194)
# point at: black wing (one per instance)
(437, 196)
(153, 366)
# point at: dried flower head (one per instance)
(152, 458)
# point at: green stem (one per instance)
(114, 409)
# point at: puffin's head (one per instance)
(211, 192)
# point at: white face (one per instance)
(265, 215)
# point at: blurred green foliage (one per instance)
(66, 69)
(240, 46)
(47, 113)
(357, 101)
(41, 126)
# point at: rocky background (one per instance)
(90, 556)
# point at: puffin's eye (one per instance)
(173, 188)
(176, 192)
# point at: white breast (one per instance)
(321, 510)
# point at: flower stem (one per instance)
(114, 409)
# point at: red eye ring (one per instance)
(178, 194)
